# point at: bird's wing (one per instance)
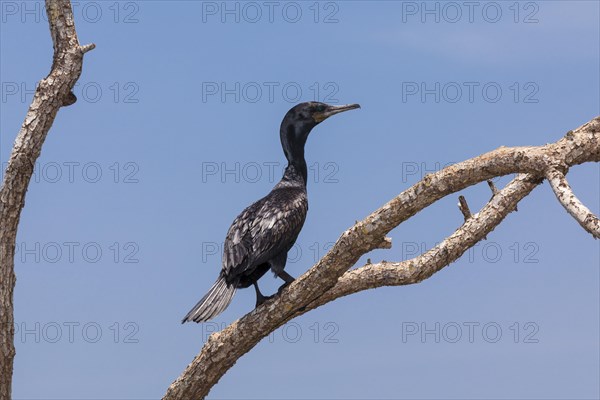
(280, 222)
(264, 230)
(238, 242)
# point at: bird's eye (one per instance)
(320, 108)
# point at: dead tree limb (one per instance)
(330, 279)
(571, 203)
(449, 250)
(51, 94)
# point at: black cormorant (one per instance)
(261, 236)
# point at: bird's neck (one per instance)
(293, 139)
(296, 171)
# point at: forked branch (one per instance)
(329, 279)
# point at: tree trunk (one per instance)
(52, 92)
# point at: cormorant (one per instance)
(261, 236)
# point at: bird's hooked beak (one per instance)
(332, 110)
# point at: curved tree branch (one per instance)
(571, 203)
(475, 228)
(52, 92)
(329, 279)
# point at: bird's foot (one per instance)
(286, 284)
(262, 299)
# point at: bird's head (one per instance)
(300, 119)
(311, 113)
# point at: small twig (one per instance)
(492, 187)
(87, 47)
(464, 207)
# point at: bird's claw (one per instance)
(283, 287)
(262, 299)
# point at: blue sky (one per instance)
(176, 131)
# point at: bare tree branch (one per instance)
(571, 203)
(329, 279)
(449, 250)
(52, 92)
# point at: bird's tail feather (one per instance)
(213, 303)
